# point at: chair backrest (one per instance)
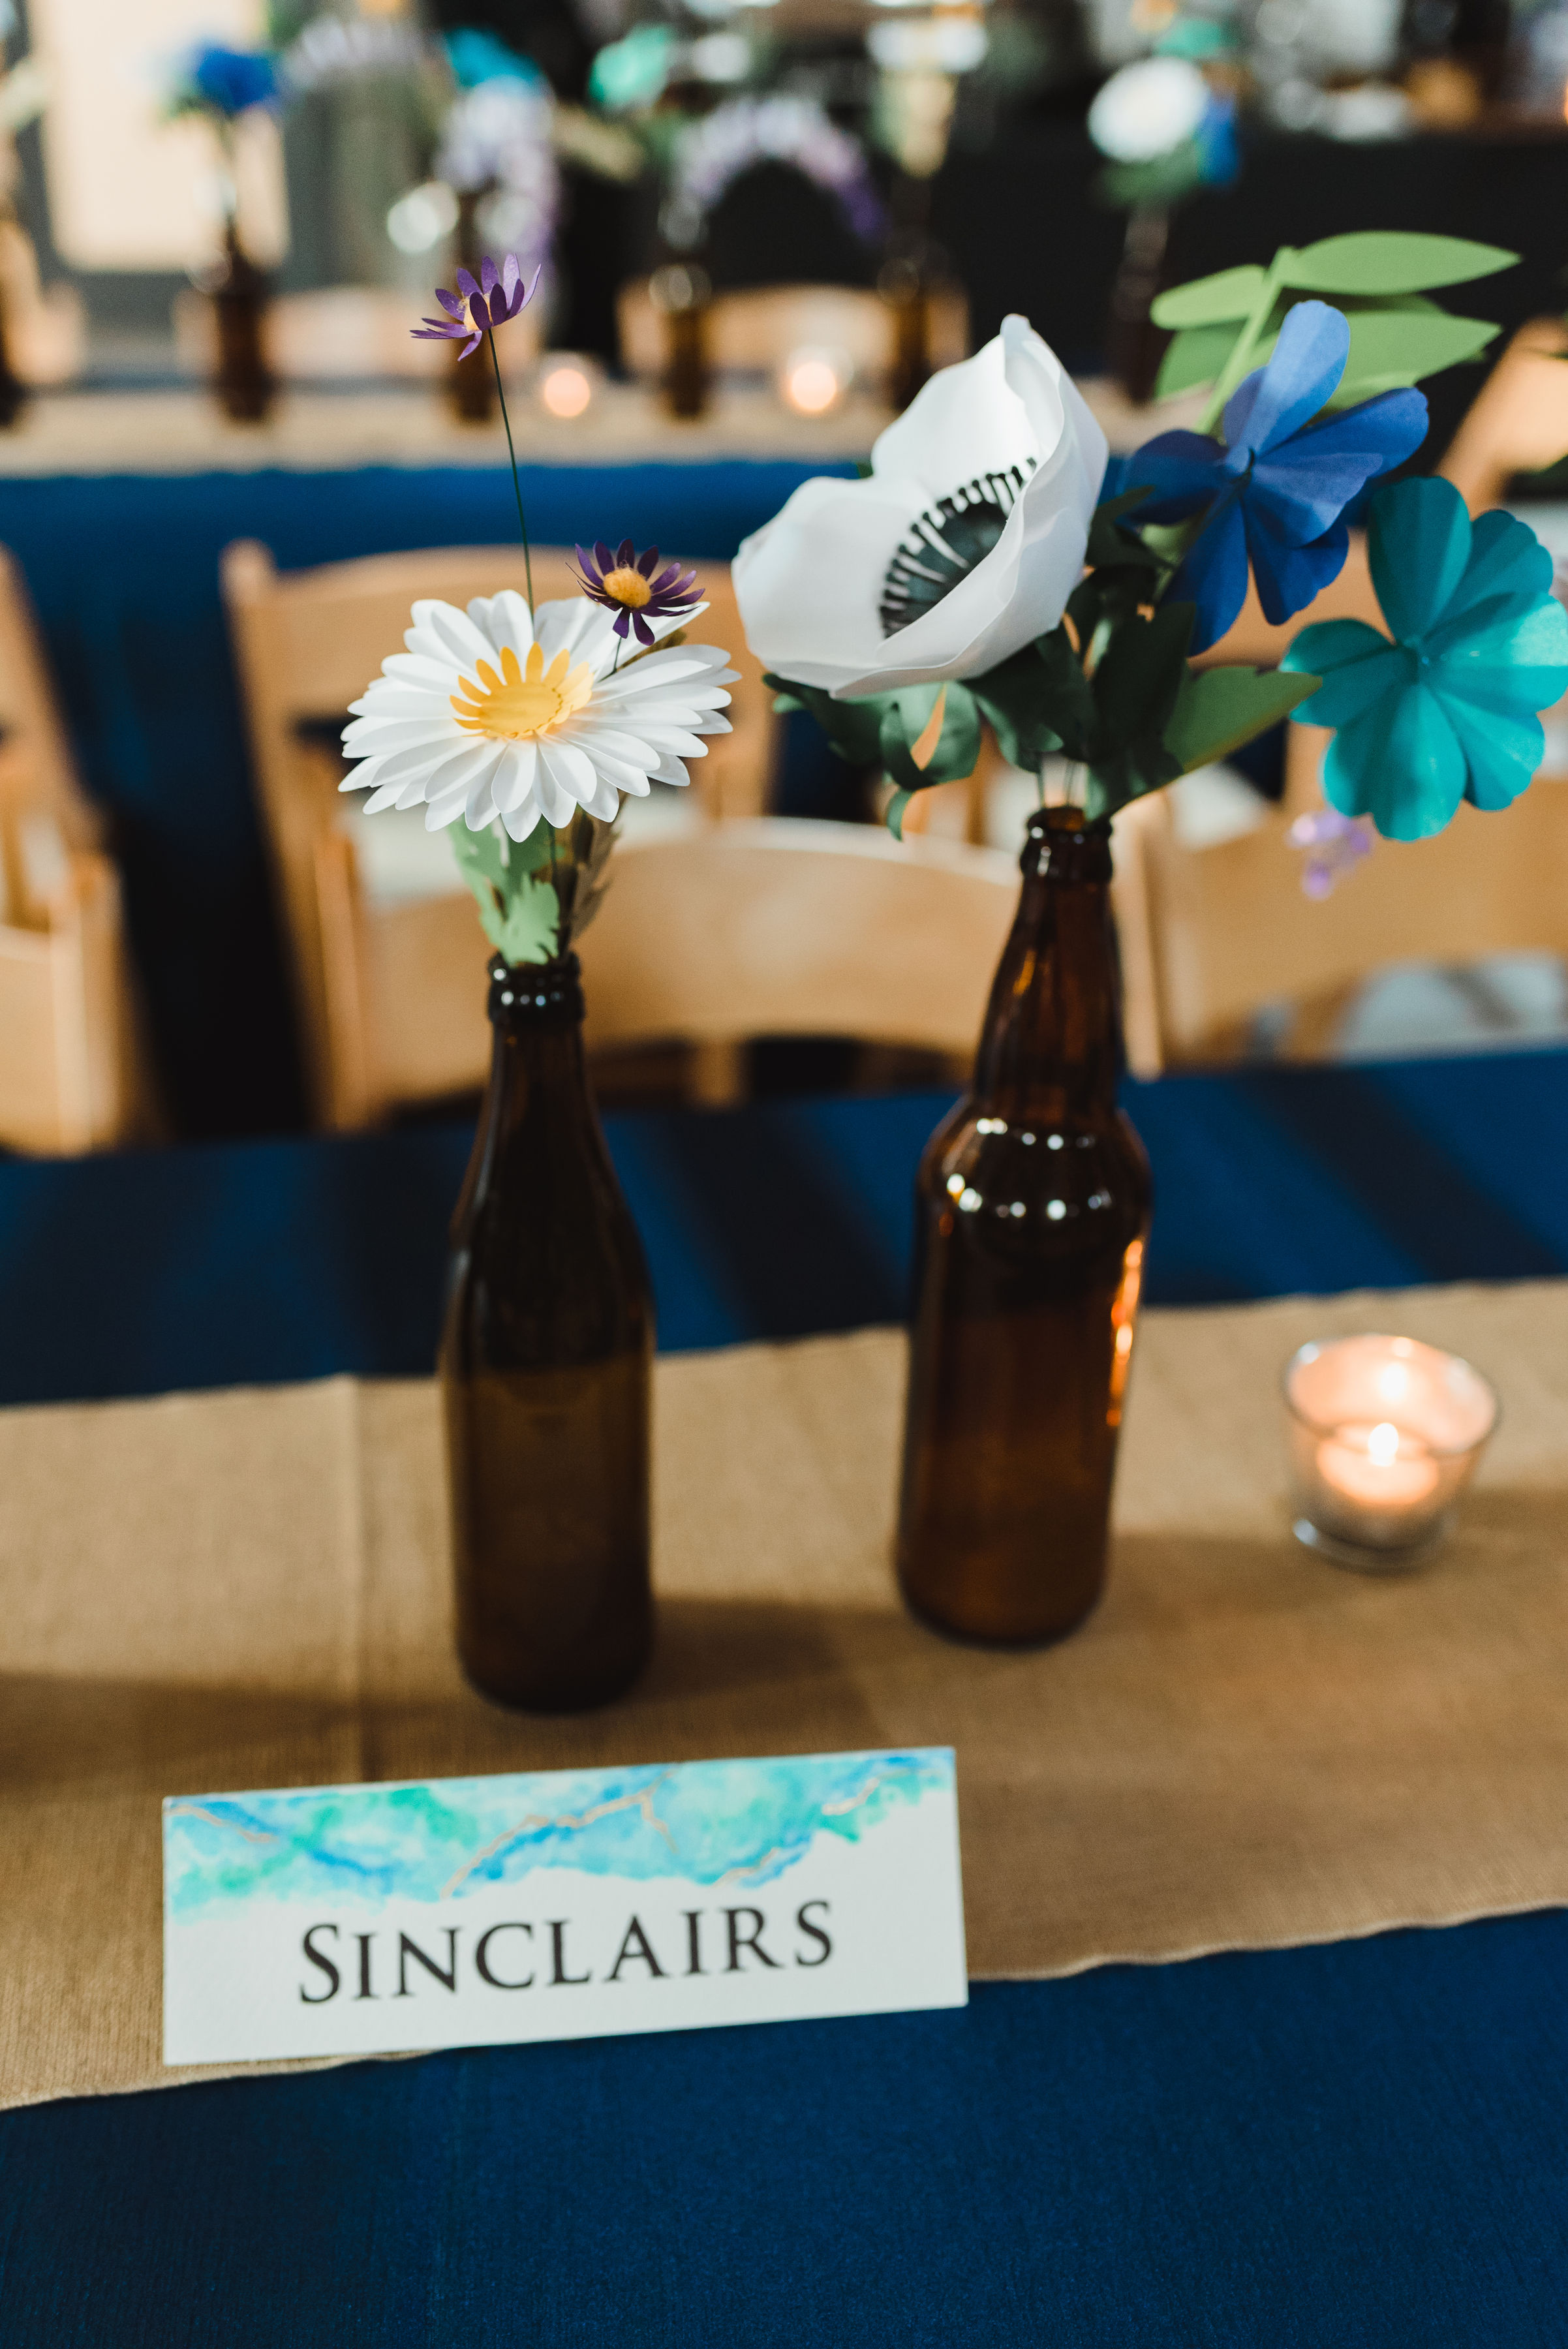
(1518, 421)
(72, 1074)
(34, 735)
(1223, 931)
(308, 642)
(786, 928)
(766, 926)
(754, 332)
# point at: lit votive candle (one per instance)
(1383, 1434)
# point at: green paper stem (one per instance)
(1240, 361)
(516, 484)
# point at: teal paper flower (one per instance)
(1448, 710)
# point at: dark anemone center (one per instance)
(945, 542)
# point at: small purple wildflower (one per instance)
(625, 584)
(1335, 846)
(479, 305)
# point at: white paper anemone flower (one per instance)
(963, 544)
(1148, 108)
(486, 715)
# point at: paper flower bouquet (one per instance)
(520, 725)
(992, 568)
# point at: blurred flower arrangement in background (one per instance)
(497, 146)
(219, 86)
(1166, 130)
(223, 83)
(711, 152)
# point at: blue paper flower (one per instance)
(1446, 710)
(231, 81)
(1277, 492)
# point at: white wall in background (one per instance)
(128, 191)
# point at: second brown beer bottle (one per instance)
(1031, 1212)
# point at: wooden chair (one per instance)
(753, 332)
(34, 745)
(779, 926)
(388, 983)
(1212, 936)
(73, 1076)
(71, 1073)
(1518, 423)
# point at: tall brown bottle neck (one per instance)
(538, 1080)
(1052, 1042)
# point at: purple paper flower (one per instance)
(1277, 488)
(479, 305)
(625, 583)
(1335, 846)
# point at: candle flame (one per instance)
(1383, 1443)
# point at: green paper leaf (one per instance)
(904, 722)
(1136, 687)
(1110, 546)
(853, 728)
(1393, 344)
(1196, 356)
(530, 930)
(1218, 710)
(1210, 301)
(1391, 262)
(1037, 703)
(894, 816)
(1392, 348)
(519, 914)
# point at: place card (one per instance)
(459, 1912)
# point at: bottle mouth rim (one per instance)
(1067, 824)
(526, 991)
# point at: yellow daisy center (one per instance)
(627, 586)
(522, 701)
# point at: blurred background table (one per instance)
(1364, 2142)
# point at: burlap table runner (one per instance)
(1243, 1747)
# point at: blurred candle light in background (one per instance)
(814, 381)
(1383, 1434)
(565, 387)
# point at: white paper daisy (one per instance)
(484, 718)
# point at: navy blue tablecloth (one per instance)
(123, 571)
(1365, 2143)
(231, 1263)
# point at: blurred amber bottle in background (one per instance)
(1032, 1211)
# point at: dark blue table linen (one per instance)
(1345, 2147)
(236, 1263)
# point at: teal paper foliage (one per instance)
(1446, 710)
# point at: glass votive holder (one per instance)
(1383, 1435)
